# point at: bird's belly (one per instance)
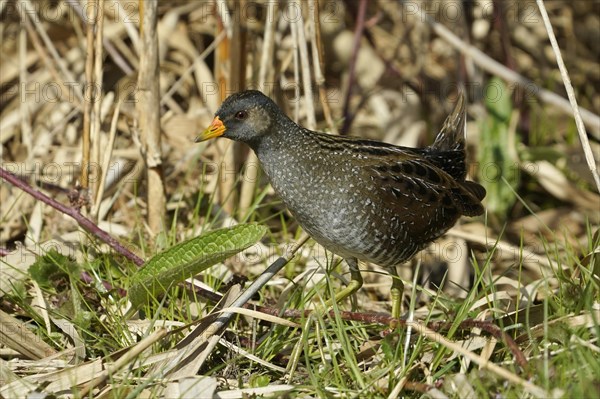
(347, 221)
(354, 230)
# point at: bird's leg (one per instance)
(396, 291)
(356, 282)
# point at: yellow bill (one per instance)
(216, 129)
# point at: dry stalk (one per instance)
(298, 25)
(124, 360)
(249, 185)
(97, 97)
(317, 54)
(585, 142)
(294, 31)
(225, 180)
(106, 161)
(26, 130)
(148, 114)
(89, 93)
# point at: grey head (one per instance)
(247, 117)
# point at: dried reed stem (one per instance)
(298, 23)
(317, 54)
(248, 184)
(585, 142)
(148, 114)
(226, 179)
(88, 97)
(97, 96)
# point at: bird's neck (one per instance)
(285, 136)
(288, 147)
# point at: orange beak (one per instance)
(216, 129)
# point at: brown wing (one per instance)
(423, 195)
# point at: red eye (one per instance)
(241, 115)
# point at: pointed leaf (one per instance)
(189, 258)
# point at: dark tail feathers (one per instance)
(448, 153)
(468, 198)
(452, 135)
(448, 150)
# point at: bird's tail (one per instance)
(448, 150)
(452, 135)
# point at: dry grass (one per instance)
(380, 69)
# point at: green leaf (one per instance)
(52, 267)
(259, 381)
(189, 258)
(498, 163)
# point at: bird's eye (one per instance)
(241, 115)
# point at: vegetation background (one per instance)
(506, 305)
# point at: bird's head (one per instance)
(246, 116)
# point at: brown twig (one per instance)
(84, 222)
(492, 330)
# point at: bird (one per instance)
(361, 199)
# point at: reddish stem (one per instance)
(84, 222)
